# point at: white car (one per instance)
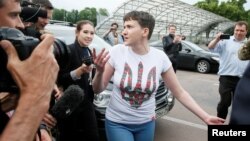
(67, 34)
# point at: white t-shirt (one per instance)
(136, 79)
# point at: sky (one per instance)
(110, 5)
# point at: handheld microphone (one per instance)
(67, 104)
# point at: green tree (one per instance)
(88, 14)
(74, 15)
(234, 7)
(59, 14)
(103, 12)
(209, 5)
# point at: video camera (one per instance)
(88, 60)
(24, 46)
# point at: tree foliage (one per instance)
(59, 14)
(231, 9)
(74, 15)
(103, 12)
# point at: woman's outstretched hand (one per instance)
(213, 120)
(101, 59)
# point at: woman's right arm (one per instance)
(102, 79)
(104, 71)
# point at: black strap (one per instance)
(4, 119)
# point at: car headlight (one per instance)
(102, 99)
(170, 97)
(216, 59)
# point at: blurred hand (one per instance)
(177, 39)
(49, 120)
(45, 136)
(101, 59)
(57, 92)
(217, 37)
(36, 75)
(212, 120)
(86, 69)
(112, 28)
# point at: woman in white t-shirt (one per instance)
(136, 69)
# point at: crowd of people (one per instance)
(130, 115)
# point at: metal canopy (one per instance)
(190, 20)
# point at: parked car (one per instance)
(164, 97)
(193, 57)
(67, 34)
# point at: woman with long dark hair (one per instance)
(81, 124)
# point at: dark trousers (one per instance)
(226, 89)
(174, 63)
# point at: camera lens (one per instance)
(62, 54)
(24, 46)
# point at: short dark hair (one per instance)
(183, 37)
(171, 25)
(115, 24)
(79, 24)
(44, 3)
(240, 23)
(144, 19)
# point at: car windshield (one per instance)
(156, 43)
(98, 43)
(194, 46)
(67, 34)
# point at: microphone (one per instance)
(67, 104)
(244, 51)
(31, 14)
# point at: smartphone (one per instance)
(225, 36)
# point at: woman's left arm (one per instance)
(185, 98)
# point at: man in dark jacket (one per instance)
(172, 45)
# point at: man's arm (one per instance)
(167, 44)
(214, 42)
(104, 36)
(35, 78)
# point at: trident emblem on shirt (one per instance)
(137, 96)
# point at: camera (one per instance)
(224, 36)
(24, 46)
(88, 60)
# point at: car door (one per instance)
(186, 58)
